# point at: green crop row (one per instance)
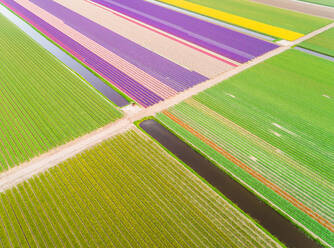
(43, 103)
(111, 197)
(275, 118)
(322, 43)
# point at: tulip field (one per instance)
(254, 16)
(136, 58)
(166, 123)
(260, 127)
(40, 107)
(108, 197)
(223, 41)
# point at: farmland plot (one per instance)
(322, 43)
(142, 74)
(43, 103)
(124, 192)
(277, 22)
(225, 42)
(271, 128)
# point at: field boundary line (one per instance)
(315, 53)
(59, 154)
(28, 169)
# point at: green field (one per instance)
(110, 197)
(329, 3)
(275, 118)
(287, 19)
(322, 43)
(43, 103)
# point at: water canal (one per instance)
(265, 215)
(96, 82)
(320, 55)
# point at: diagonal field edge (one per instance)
(254, 173)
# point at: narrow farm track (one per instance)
(303, 7)
(322, 44)
(55, 156)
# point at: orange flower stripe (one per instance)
(254, 173)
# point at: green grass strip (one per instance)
(322, 43)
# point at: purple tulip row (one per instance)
(228, 43)
(125, 83)
(171, 74)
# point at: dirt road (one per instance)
(303, 7)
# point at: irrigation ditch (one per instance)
(320, 55)
(266, 216)
(66, 59)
